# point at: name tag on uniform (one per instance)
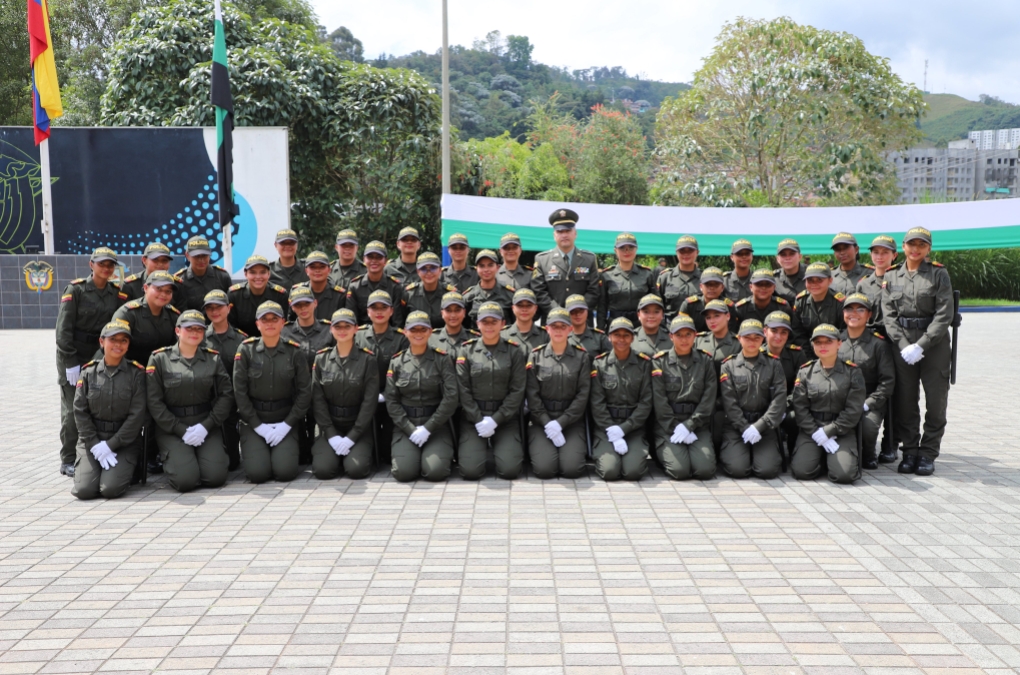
(553, 274)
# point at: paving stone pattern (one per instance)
(891, 575)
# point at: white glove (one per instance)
(558, 439)
(195, 435)
(691, 437)
(72, 375)
(264, 430)
(335, 443)
(620, 446)
(751, 435)
(279, 432)
(831, 445)
(486, 428)
(341, 445)
(912, 354)
(104, 455)
(680, 432)
(614, 433)
(420, 436)
(819, 436)
(865, 407)
(382, 398)
(552, 429)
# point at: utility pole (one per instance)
(446, 104)
(925, 90)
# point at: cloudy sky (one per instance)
(971, 49)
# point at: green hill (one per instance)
(950, 116)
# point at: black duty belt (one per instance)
(82, 336)
(920, 324)
(488, 406)
(684, 408)
(824, 417)
(420, 411)
(272, 406)
(619, 413)
(106, 426)
(555, 406)
(344, 411)
(190, 410)
(752, 417)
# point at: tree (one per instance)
(15, 92)
(346, 46)
(518, 50)
(800, 114)
(611, 165)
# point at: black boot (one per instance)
(155, 466)
(925, 466)
(908, 465)
(67, 470)
(887, 456)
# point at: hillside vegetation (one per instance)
(950, 117)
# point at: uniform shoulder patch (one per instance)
(510, 288)
(893, 267)
(642, 355)
(325, 321)
(134, 304)
(807, 363)
(599, 330)
(411, 286)
(779, 300)
(729, 358)
(511, 341)
(937, 264)
(537, 349)
(395, 279)
(601, 356)
(293, 344)
(179, 274)
(90, 363)
(802, 294)
(772, 355)
(237, 287)
(250, 341)
(278, 288)
(703, 333)
(241, 332)
(450, 288)
(659, 355)
(692, 298)
(136, 364)
(364, 349)
(705, 352)
(839, 296)
(878, 335)
(470, 342)
(795, 348)
(357, 278)
(580, 347)
(645, 267)
(474, 332)
(222, 269)
(121, 295)
(741, 303)
(850, 363)
(133, 277)
(729, 303)
(78, 281)
(339, 289)
(870, 267)
(173, 309)
(440, 351)
(161, 350)
(211, 350)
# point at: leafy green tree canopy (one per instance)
(346, 46)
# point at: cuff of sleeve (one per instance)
(292, 422)
(331, 431)
(112, 443)
(924, 343)
(180, 429)
(830, 430)
(407, 428)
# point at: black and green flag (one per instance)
(224, 105)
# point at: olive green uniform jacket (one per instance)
(674, 286)
(244, 304)
(149, 332)
(554, 279)
(193, 288)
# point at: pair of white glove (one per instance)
(273, 433)
(912, 354)
(681, 434)
(615, 435)
(72, 375)
(341, 445)
(486, 428)
(830, 445)
(751, 435)
(382, 398)
(554, 432)
(104, 455)
(420, 436)
(195, 435)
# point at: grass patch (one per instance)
(981, 302)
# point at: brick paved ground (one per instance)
(892, 575)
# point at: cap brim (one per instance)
(283, 239)
(351, 321)
(186, 324)
(448, 305)
(739, 249)
(117, 331)
(271, 311)
(755, 331)
(559, 228)
(200, 251)
(347, 240)
(417, 324)
(101, 258)
(223, 303)
(778, 324)
(491, 315)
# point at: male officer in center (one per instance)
(565, 270)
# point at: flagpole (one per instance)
(47, 197)
(446, 104)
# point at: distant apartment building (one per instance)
(995, 139)
(957, 174)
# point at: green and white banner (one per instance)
(954, 226)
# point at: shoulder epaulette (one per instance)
(365, 327)
(136, 364)
(395, 279)
(90, 363)
(511, 341)
(173, 309)
(134, 304)
(211, 350)
(538, 348)
(364, 349)
(692, 298)
(440, 351)
(705, 352)
(780, 300)
(839, 296)
(278, 288)
(468, 290)
(850, 363)
(879, 335)
(744, 301)
(179, 275)
(400, 330)
(288, 323)
(599, 330)
(642, 355)
(802, 294)
(121, 295)
(395, 355)
(357, 278)
(795, 348)
(893, 267)
(731, 356)
(339, 289)
(937, 264)
(249, 341)
(729, 303)
(293, 344)
(866, 276)
(580, 347)
(450, 288)
(133, 277)
(703, 333)
(160, 350)
(808, 363)
(237, 287)
(645, 267)
(529, 268)
(510, 288)
(325, 321)
(470, 342)
(78, 281)
(602, 356)
(241, 332)
(302, 284)
(870, 267)
(222, 269)
(411, 286)
(772, 355)
(659, 355)
(323, 350)
(473, 331)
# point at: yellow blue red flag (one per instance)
(45, 88)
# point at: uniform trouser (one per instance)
(682, 461)
(91, 480)
(262, 463)
(931, 373)
(507, 449)
(740, 460)
(872, 423)
(68, 429)
(357, 463)
(187, 467)
(431, 461)
(232, 439)
(547, 460)
(631, 465)
(809, 459)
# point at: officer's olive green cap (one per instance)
(451, 298)
(525, 295)
(763, 276)
(825, 330)
(343, 315)
(376, 297)
(751, 327)
(116, 327)
(621, 323)
(347, 237)
(788, 244)
(457, 238)
(741, 245)
(575, 302)
(680, 322)
(417, 318)
(486, 253)
(157, 250)
(625, 239)
(428, 258)
(778, 320)
(650, 299)
(300, 293)
(160, 278)
(558, 315)
(490, 310)
(215, 297)
(712, 274)
(917, 233)
(254, 260)
(509, 238)
(191, 317)
(884, 241)
(103, 253)
(409, 232)
(316, 257)
(375, 248)
(687, 241)
(716, 306)
(563, 219)
(286, 235)
(198, 245)
(844, 238)
(818, 270)
(269, 307)
(857, 299)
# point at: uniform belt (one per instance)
(555, 406)
(752, 417)
(82, 336)
(619, 413)
(190, 410)
(488, 406)
(684, 408)
(106, 426)
(824, 417)
(271, 406)
(344, 411)
(420, 411)
(918, 323)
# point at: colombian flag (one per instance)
(45, 89)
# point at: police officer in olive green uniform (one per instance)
(345, 393)
(621, 402)
(287, 270)
(738, 280)
(817, 304)
(684, 388)
(381, 338)
(917, 306)
(876, 361)
(651, 337)
(226, 340)
(86, 306)
(753, 391)
(152, 318)
(848, 269)
(426, 294)
(459, 274)
(421, 395)
(488, 289)
(524, 330)
(109, 412)
(883, 254)
(313, 335)
(156, 257)
(828, 397)
(565, 270)
(777, 343)
(347, 266)
(790, 275)
(190, 397)
(511, 272)
(247, 296)
(712, 288)
(559, 381)
(763, 301)
(328, 297)
(272, 386)
(453, 333)
(375, 279)
(196, 280)
(683, 281)
(404, 267)
(625, 283)
(492, 379)
(593, 340)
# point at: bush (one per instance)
(984, 273)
